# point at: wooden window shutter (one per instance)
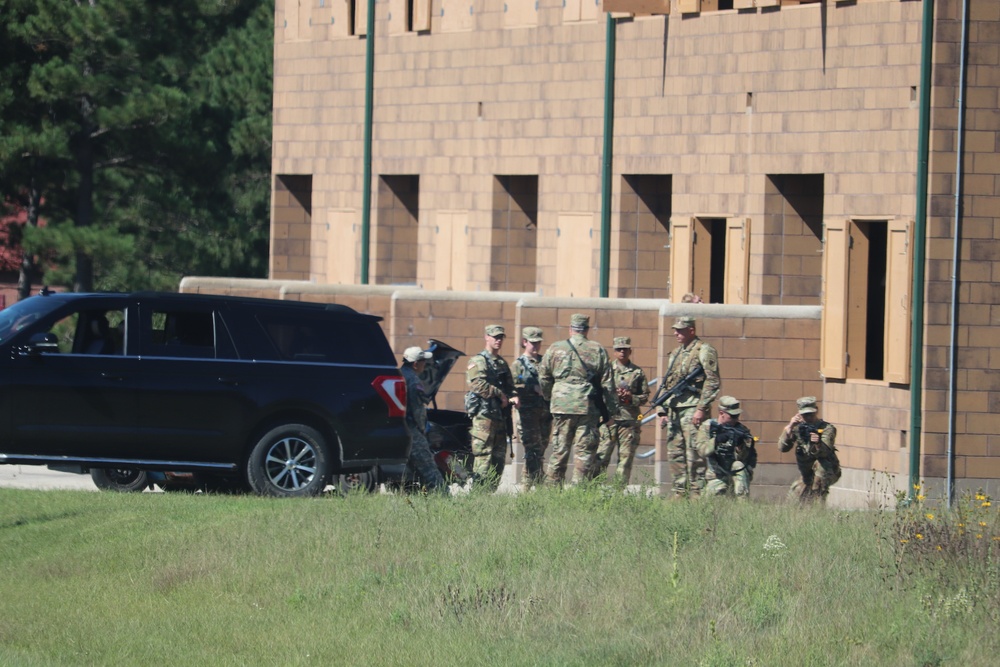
(899, 272)
(681, 253)
(737, 260)
(421, 15)
(833, 342)
(360, 17)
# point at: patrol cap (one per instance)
(533, 334)
(578, 321)
(622, 342)
(413, 354)
(683, 323)
(495, 330)
(730, 406)
(807, 404)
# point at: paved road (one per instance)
(40, 477)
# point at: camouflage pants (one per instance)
(818, 475)
(624, 436)
(687, 467)
(567, 430)
(489, 447)
(737, 484)
(421, 460)
(534, 427)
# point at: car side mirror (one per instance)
(40, 343)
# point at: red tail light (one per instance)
(392, 389)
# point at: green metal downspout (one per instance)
(366, 200)
(609, 137)
(920, 249)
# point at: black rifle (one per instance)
(732, 443)
(805, 432)
(597, 391)
(685, 384)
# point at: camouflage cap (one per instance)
(414, 354)
(806, 405)
(495, 330)
(622, 342)
(578, 321)
(683, 323)
(534, 334)
(730, 406)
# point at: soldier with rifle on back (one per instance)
(685, 410)
(728, 448)
(575, 375)
(488, 403)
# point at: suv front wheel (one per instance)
(290, 460)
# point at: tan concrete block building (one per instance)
(760, 153)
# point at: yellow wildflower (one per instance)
(986, 503)
(939, 547)
(919, 536)
(903, 541)
(920, 498)
(979, 536)
(916, 487)
(982, 523)
(930, 517)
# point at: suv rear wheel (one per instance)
(289, 460)
(120, 479)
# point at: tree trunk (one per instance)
(29, 272)
(84, 279)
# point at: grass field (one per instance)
(584, 576)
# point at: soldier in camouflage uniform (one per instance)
(534, 418)
(488, 401)
(623, 431)
(728, 448)
(572, 373)
(683, 414)
(421, 459)
(814, 441)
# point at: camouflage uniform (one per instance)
(623, 430)
(687, 466)
(817, 461)
(421, 459)
(534, 418)
(488, 377)
(729, 452)
(575, 416)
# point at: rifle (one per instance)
(805, 431)
(686, 383)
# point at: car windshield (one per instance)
(23, 313)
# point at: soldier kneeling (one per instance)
(728, 447)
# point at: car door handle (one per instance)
(112, 377)
(231, 381)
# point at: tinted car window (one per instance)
(91, 332)
(313, 339)
(188, 333)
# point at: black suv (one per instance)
(274, 396)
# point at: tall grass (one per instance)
(583, 576)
